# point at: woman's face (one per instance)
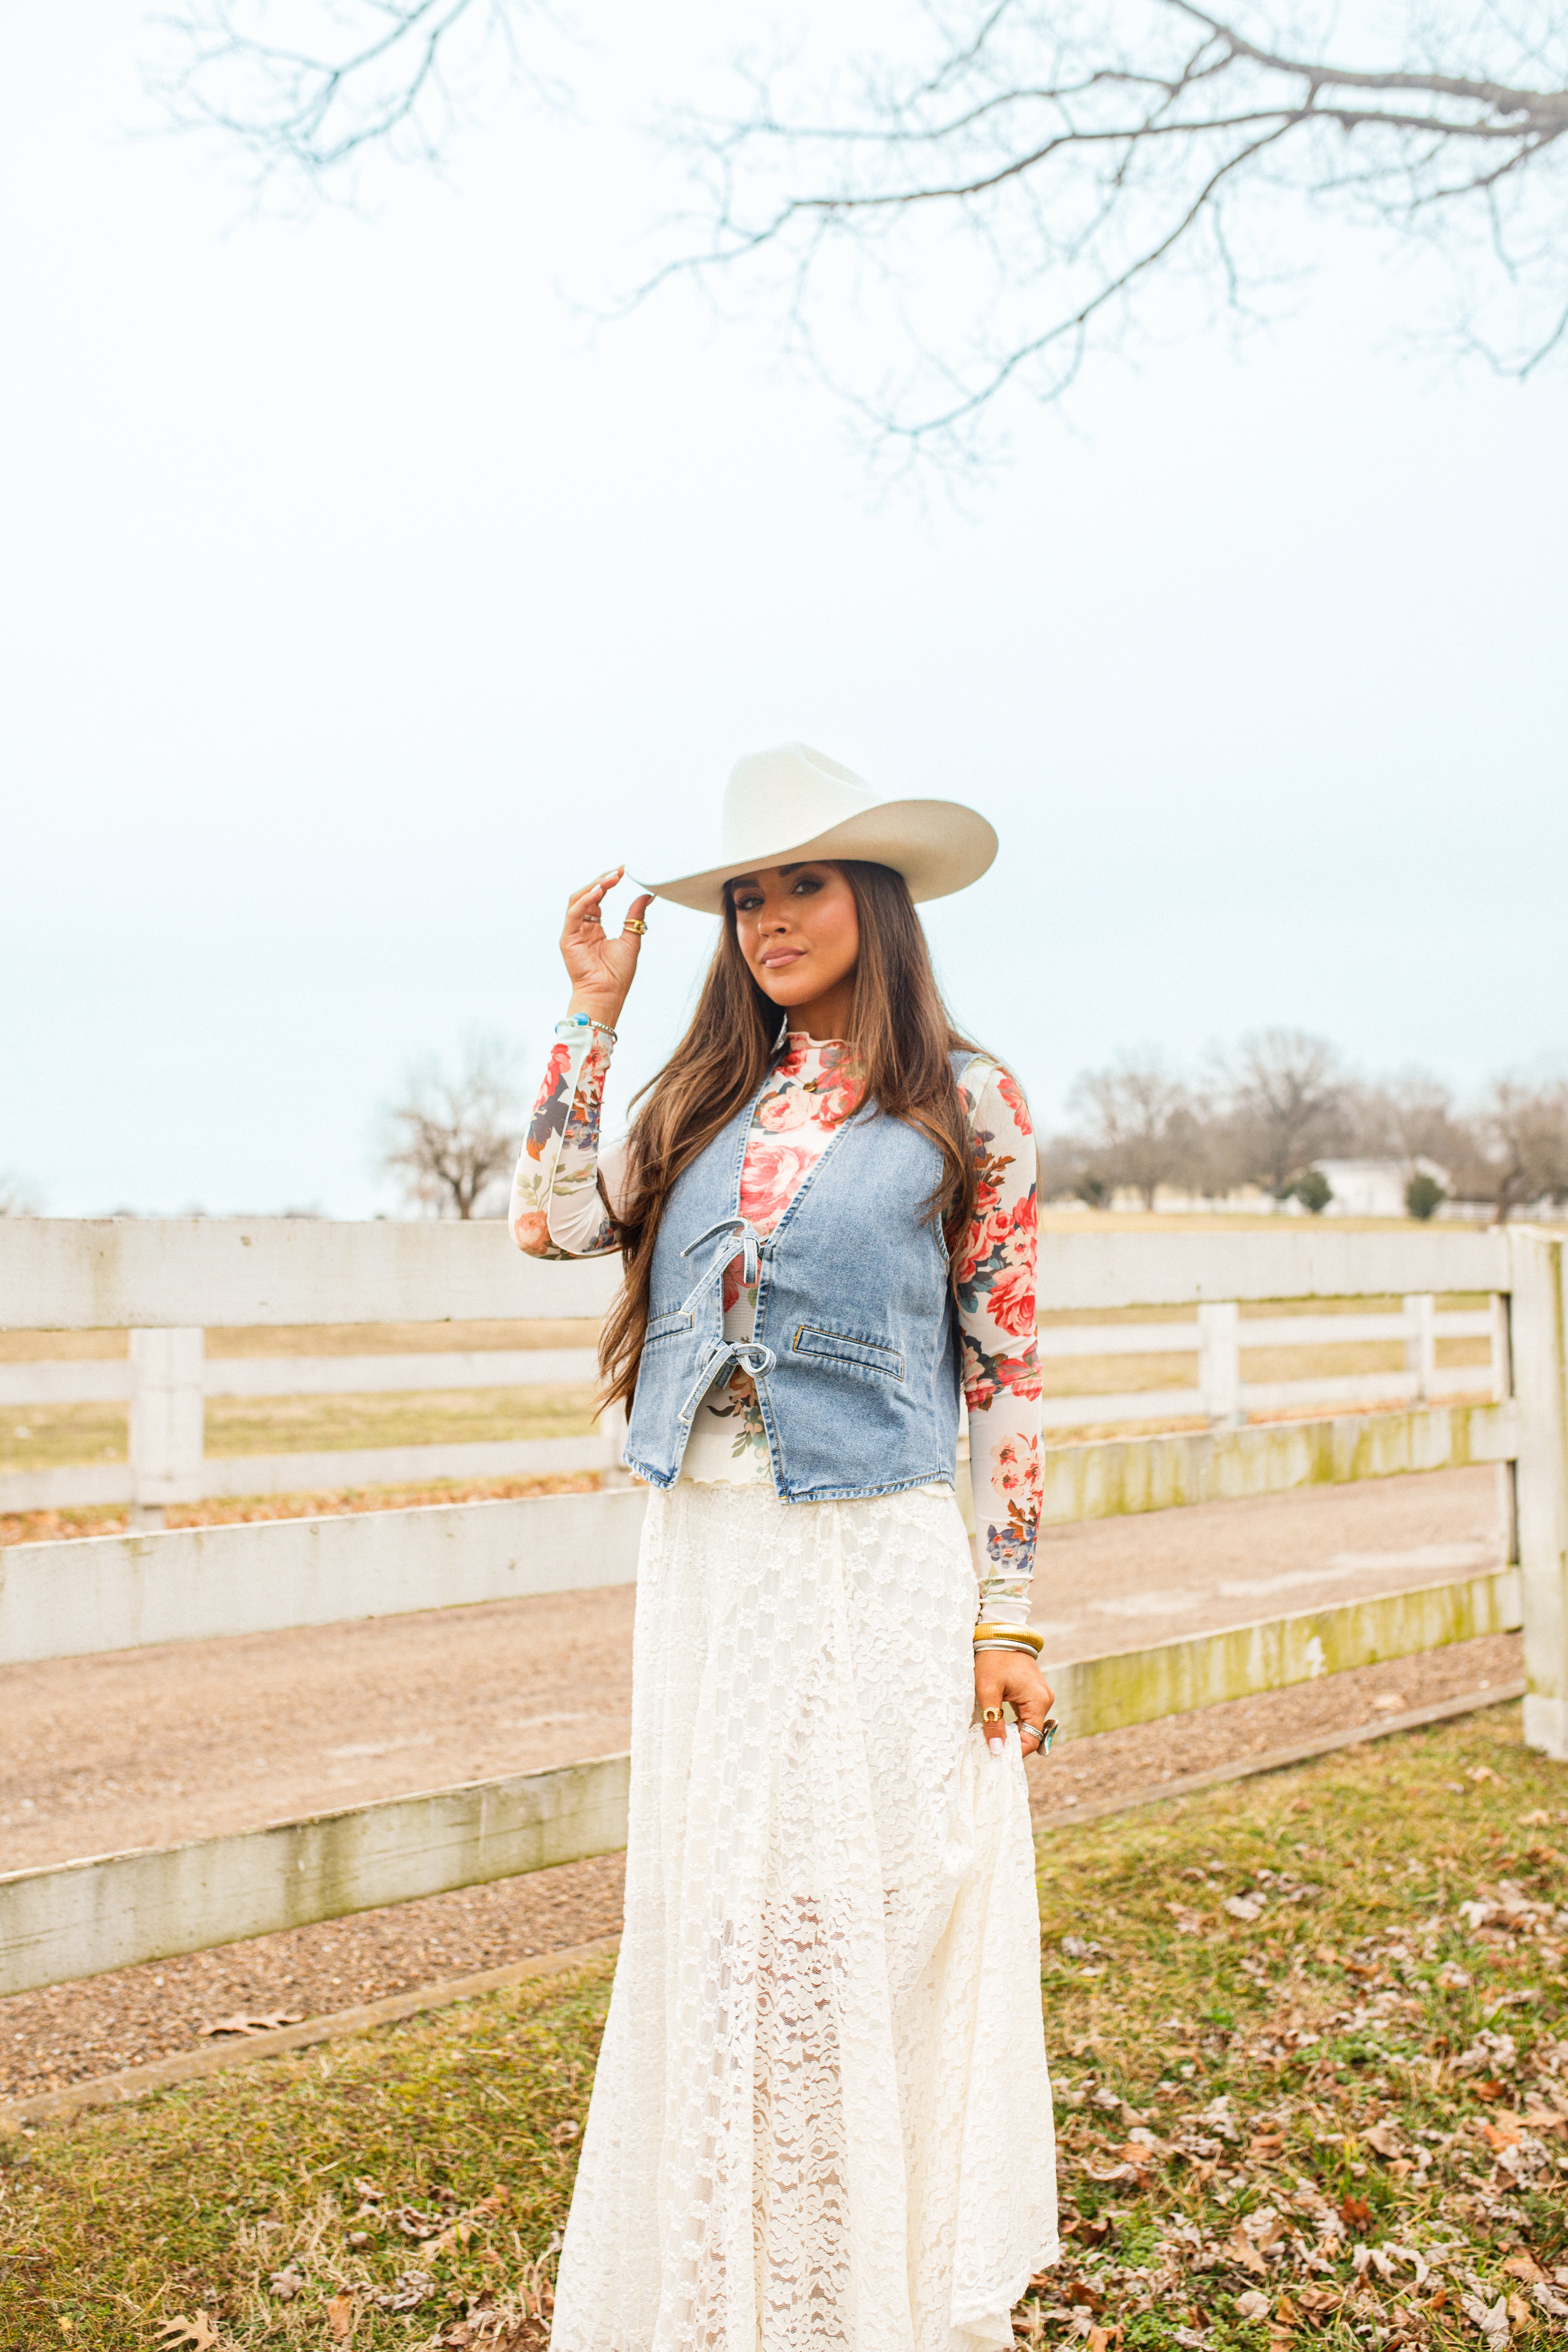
(799, 929)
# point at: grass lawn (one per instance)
(1312, 2083)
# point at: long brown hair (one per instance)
(901, 1034)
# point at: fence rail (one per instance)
(167, 1378)
(63, 1598)
(78, 1919)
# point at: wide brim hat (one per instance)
(785, 806)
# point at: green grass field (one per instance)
(1305, 2095)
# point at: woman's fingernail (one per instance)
(995, 1746)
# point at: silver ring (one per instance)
(1035, 1730)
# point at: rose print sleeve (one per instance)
(556, 1209)
(995, 1281)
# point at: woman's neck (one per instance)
(828, 1016)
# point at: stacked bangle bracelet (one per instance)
(1009, 1637)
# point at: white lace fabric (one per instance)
(821, 2120)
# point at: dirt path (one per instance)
(152, 1746)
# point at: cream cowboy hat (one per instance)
(783, 806)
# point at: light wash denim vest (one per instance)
(854, 1350)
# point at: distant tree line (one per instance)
(1265, 1113)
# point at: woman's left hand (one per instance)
(1010, 1677)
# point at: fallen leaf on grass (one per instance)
(1523, 2266)
(197, 2333)
(1265, 2146)
(340, 2317)
(1386, 2138)
(1245, 1907)
(287, 2284)
(1481, 1773)
(410, 2291)
(1491, 2319)
(267, 2024)
(1252, 2305)
(1317, 2300)
(1239, 2249)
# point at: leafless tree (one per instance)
(451, 1143)
(1011, 189)
(1285, 1106)
(1523, 1133)
(1412, 1116)
(1143, 1124)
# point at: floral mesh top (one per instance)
(557, 1211)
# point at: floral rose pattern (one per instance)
(558, 1164)
(995, 1280)
(556, 1211)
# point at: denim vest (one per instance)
(855, 1350)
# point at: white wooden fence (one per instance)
(166, 1377)
(58, 1599)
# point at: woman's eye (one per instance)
(808, 883)
(745, 906)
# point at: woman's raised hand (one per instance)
(601, 970)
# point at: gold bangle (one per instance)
(1026, 1634)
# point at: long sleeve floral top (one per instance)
(557, 1210)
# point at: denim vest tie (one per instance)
(855, 1349)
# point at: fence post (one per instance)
(1421, 1343)
(167, 1420)
(1219, 1365)
(611, 1426)
(1541, 1387)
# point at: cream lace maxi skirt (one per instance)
(821, 2117)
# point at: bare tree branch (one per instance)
(345, 76)
(1015, 200)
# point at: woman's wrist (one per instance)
(585, 1013)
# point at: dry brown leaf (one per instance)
(198, 2334)
(340, 2317)
(1252, 2305)
(1525, 2266)
(1240, 2248)
(1386, 2138)
(1519, 2311)
(1265, 2146)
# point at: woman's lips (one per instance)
(776, 956)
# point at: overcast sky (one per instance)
(359, 601)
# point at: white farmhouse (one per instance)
(1373, 1187)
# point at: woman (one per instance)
(821, 2115)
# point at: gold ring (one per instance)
(632, 924)
(991, 1714)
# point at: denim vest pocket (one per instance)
(848, 1351)
(668, 1327)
